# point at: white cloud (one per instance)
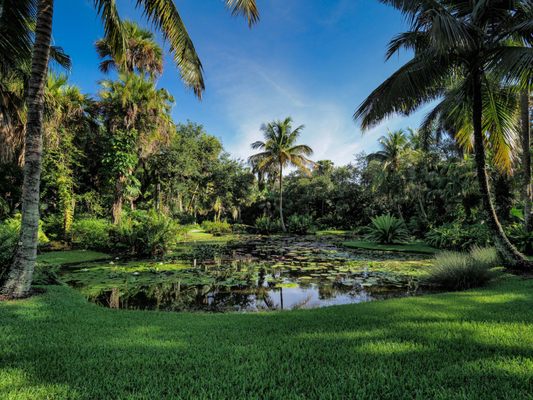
(254, 94)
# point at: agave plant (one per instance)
(387, 229)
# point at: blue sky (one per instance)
(314, 60)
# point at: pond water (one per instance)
(252, 275)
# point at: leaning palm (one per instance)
(163, 14)
(279, 151)
(452, 38)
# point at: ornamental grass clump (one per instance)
(460, 271)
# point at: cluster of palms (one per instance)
(476, 57)
(26, 52)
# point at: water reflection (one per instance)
(285, 274)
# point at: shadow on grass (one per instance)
(475, 344)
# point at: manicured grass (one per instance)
(198, 235)
(67, 257)
(415, 247)
(332, 232)
(468, 345)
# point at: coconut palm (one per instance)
(451, 39)
(142, 53)
(505, 117)
(278, 151)
(163, 14)
(393, 148)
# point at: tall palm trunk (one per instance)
(19, 279)
(118, 200)
(283, 228)
(510, 255)
(526, 161)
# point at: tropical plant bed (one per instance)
(415, 247)
(469, 345)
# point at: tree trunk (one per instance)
(526, 161)
(19, 279)
(283, 228)
(119, 198)
(510, 255)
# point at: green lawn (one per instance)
(415, 247)
(69, 257)
(469, 345)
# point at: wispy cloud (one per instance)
(255, 94)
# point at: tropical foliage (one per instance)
(387, 229)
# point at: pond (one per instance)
(254, 274)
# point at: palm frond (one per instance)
(514, 64)
(247, 8)
(417, 82)
(164, 15)
(107, 9)
(58, 55)
(16, 33)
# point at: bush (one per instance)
(460, 271)
(145, 233)
(91, 233)
(266, 225)
(216, 228)
(457, 236)
(9, 235)
(8, 243)
(241, 228)
(387, 229)
(300, 224)
(522, 239)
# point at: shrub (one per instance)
(459, 271)
(457, 236)
(9, 235)
(91, 233)
(240, 228)
(8, 243)
(145, 233)
(300, 224)
(216, 228)
(387, 229)
(522, 239)
(266, 225)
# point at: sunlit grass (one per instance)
(415, 247)
(468, 345)
(54, 258)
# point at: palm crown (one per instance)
(142, 53)
(279, 150)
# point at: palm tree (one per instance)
(393, 147)
(526, 160)
(279, 151)
(142, 53)
(451, 39)
(162, 13)
(137, 120)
